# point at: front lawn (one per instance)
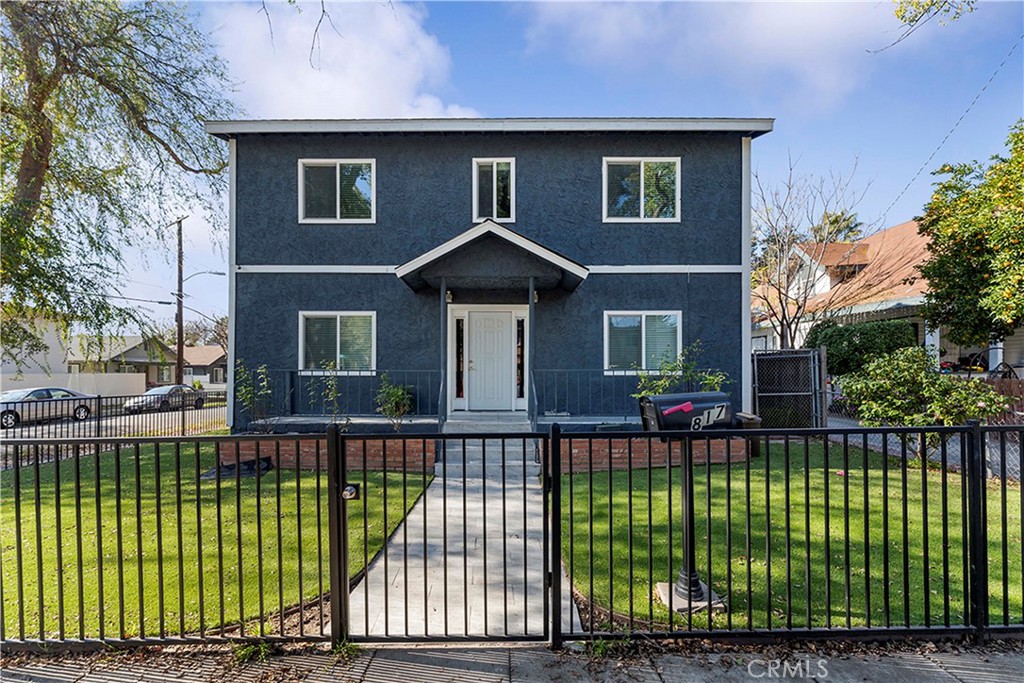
(153, 553)
(621, 534)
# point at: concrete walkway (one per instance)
(536, 664)
(468, 559)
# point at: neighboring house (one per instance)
(45, 361)
(875, 279)
(128, 354)
(208, 364)
(475, 258)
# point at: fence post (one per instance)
(99, 414)
(337, 534)
(977, 531)
(554, 474)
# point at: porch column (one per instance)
(932, 342)
(442, 407)
(528, 365)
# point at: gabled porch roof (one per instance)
(490, 256)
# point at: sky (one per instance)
(845, 99)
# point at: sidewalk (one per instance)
(520, 663)
(468, 559)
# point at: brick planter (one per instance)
(380, 453)
(613, 454)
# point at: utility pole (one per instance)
(179, 368)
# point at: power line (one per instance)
(956, 125)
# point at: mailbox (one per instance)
(695, 411)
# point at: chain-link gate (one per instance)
(789, 387)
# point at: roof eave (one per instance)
(748, 127)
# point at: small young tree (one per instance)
(796, 222)
(323, 389)
(394, 401)
(253, 391)
(681, 372)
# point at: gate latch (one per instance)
(350, 492)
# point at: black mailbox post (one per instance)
(687, 414)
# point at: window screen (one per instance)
(320, 191)
(625, 342)
(321, 342)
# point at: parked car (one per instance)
(46, 403)
(171, 397)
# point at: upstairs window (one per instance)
(344, 342)
(494, 190)
(640, 340)
(337, 191)
(641, 190)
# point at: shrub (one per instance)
(851, 347)
(813, 339)
(393, 401)
(680, 373)
(904, 388)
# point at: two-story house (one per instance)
(476, 260)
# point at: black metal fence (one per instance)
(819, 534)
(110, 417)
(793, 534)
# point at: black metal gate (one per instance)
(470, 558)
(789, 388)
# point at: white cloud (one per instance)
(816, 52)
(383, 63)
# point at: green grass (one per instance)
(602, 502)
(258, 530)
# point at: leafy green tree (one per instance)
(975, 227)
(837, 226)
(914, 14)
(103, 144)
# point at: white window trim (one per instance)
(303, 370)
(643, 338)
(303, 163)
(638, 160)
(477, 218)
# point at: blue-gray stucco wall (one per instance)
(568, 327)
(424, 197)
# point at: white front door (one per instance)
(491, 363)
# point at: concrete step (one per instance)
(480, 428)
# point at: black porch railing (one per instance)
(798, 534)
(314, 392)
(590, 393)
